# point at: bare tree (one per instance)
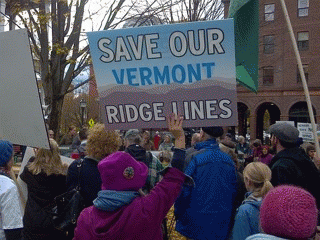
(55, 30)
(174, 11)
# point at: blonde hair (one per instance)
(260, 175)
(101, 142)
(48, 161)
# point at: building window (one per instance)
(306, 73)
(268, 75)
(268, 44)
(269, 12)
(303, 8)
(303, 41)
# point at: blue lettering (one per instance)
(208, 66)
(145, 74)
(162, 77)
(192, 72)
(115, 74)
(174, 73)
(142, 76)
(132, 76)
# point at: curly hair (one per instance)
(102, 142)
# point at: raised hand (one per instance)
(175, 127)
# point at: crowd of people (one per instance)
(219, 188)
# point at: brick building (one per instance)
(280, 89)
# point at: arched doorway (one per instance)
(299, 113)
(267, 114)
(243, 115)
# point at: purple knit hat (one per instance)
(121, 172)
(289, 212)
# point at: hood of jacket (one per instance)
(139, 153)
(253, 201)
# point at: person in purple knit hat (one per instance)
(121, 211)
(287, 212)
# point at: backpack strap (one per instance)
(149, 158)
(79, 165)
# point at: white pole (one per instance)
(303, 78)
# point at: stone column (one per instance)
(284, 118)
(253, 126)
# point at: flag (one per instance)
(246, 24)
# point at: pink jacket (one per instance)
(140, 220)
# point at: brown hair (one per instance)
(48, 161)
(257, 143)
(260, 175)
(101, 142)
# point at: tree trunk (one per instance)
(55, 116)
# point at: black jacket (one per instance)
(90, 180)
(139, 153)
(292, 166)
(42, 189)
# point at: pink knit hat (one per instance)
(289, 212)
(120, 171)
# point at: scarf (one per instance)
(110, 200)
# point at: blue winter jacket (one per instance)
(205, 210)
(247, 218)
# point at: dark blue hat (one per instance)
(6, 151)
(213, 131)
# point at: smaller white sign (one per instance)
(289, 122)
(305, 131)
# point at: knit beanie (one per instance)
(6, 151)
(121, 172)
(289, 212)
(213, 131)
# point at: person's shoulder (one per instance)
(282, 161)
(85, 214)
(6, 183)
(250, 205)
(263, 236)
(73, 165)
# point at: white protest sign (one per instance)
(289, 122)
(144, 74)
(305, 131)
(21, 116)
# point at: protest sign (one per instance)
(143, 74)
(289, 122)
(305, 132)
(21, 116)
